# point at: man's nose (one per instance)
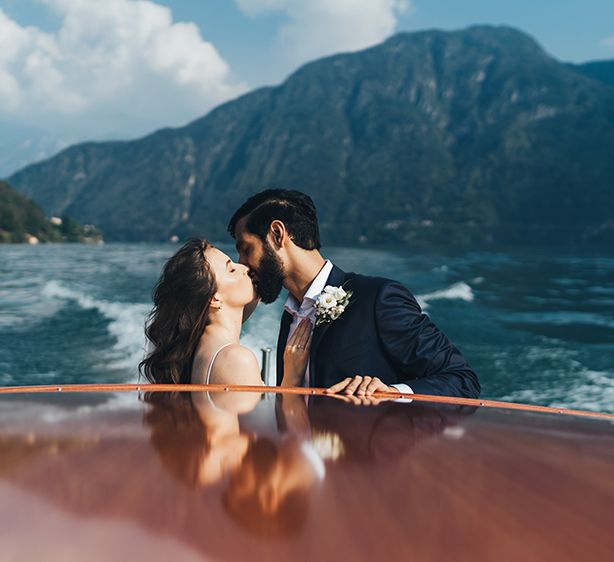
(243, 261)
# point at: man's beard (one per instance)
(270, 276)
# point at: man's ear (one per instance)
(278, 233)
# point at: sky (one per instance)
(75, 70)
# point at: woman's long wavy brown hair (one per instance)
(180, 314)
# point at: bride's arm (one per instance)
(236, 364)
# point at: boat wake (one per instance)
(593, 390)
(126, 322)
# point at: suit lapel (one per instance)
(336, 279)
(284, 330)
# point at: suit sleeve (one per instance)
(426, 360)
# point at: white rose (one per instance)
(327, 300)
(330, 290)
(339, 293)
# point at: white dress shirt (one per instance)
(307, 309)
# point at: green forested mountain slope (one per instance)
(598, 70)
(21, 220)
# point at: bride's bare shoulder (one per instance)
(236, 364)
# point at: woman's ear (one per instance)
(277, 231)
(215, 303)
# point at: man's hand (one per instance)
(361, 386)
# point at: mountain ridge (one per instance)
(601, 70)
(426, 136)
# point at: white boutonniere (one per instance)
(331, 303)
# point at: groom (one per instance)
(380, 341)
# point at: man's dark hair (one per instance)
(295, 209)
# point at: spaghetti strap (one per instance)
(212, 361)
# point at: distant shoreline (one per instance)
(601, 250)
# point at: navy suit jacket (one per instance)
(383, 333)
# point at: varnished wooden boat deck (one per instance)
(111, 473)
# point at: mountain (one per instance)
(599, 70)
(468, 137)
(21, 145)
(21, 220)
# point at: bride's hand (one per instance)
(296, 354)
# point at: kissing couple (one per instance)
(346, 332)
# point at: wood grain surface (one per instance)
(285, 476)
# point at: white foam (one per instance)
(126, 323)
(589, 390)
(6, 379)
(20, 305)
(459, 290)
(561, 318)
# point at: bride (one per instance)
(200, 303)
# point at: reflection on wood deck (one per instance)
(226, 475)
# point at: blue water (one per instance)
(538, 327)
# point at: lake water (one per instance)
(538, 327)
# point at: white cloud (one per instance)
(315, 28)
(113, 67)
(608, 42)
